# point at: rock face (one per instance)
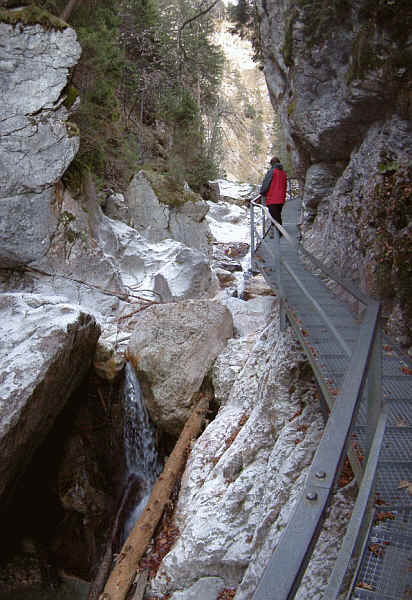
(107, 267)
(340, 80)
(172, 349)
(246, 470)
(160, 215)
(46, 350)
(232, 191)
(37, 143)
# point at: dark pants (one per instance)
(275, 211)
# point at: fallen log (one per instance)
(134, 547)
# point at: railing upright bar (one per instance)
(252, 235)
(279, 280)
(374, 389)
(263, 223)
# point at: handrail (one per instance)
(288, 562)
(347, 285)
(286, 566)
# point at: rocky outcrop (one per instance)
(108, 268)
(232, 191)
(36, 141)
(172, 349)
(157, 211)
(46, 350)
(249, 316)
(343, 93)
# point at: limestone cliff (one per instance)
(339, 74)
(37, 143)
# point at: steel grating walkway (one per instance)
(385, 571)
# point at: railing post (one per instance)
(263, 223)
(252, 236)
(374, 384)
(279, 280)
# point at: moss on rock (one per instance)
(167, 190)
(71, 94)
(31, 15)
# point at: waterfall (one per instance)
(143, 465)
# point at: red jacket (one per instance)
(276, 193)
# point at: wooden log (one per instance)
(134, 547)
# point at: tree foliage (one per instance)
(148, 75)
(245, 23)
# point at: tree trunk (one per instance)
(134, 547)
(68, 10)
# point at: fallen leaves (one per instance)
(383, 516)
(227, 594)
(406, 485)
(365, 586)
(229, 441)
(346, 475)
(358, 451)
(378, 500)
(297, 413)
(377, 550)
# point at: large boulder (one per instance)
(172, 349)
(46, 350)
(228, 223)
(249, 316)
(159, 212)
(37, 143)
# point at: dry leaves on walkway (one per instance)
(405, 485)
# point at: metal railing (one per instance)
(287, 565)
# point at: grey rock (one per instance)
(156, 220)
(107, 267)
(116, 207)
(249, 316)
(233, 191)
(207, 588)
(46, 350)
(27, 225)
(36, 143)
(320, 181)
(173, 347)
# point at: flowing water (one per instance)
(142, 461)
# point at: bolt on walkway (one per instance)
(379, 566)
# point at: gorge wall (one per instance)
(339, 74)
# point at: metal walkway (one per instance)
(367, 389)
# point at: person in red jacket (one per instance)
(273, 189)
